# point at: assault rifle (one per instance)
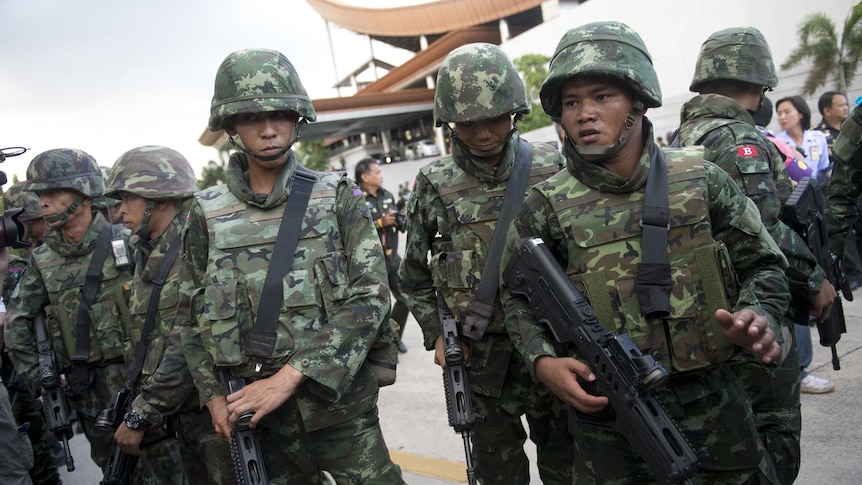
(623, 374)
(456, 384)
(55, 407)
(244, 444)
(804, 212)
(120, 465)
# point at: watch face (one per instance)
(134, 421)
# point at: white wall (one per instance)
(674, 30)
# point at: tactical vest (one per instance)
(472, 209)
(168, 308)
(241, 239)
(110, 321)
(849, 142)
(606, 249)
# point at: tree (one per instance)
(534, 70)
(313, 154)
(830, 56)
(213, 174)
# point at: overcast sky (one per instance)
(108, 76)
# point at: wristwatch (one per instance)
(136, 422)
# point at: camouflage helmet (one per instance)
(255, 81)
(152, 172)
(17, 196)
(739, 53)
(65, 168)
(478, 82)
(103, 201)
(605, 49)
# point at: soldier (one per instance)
(25, 407)
(385, 214)
(108, 206)
(600, 82)
(308, 384)
(90, 346)
(156, 185)
(733, 72)
(453, 213)
(846, 183)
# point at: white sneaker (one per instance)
(816, 385)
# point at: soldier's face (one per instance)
(486, 137)
(594, 110)
(132, 209)
(265, 134)
(56, 201)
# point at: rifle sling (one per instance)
(260, 341)
(133, 372)
(93, 279)
(481, 306)
(653, 282)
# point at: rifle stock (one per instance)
(456, 384)
(55, 407)
(623, 374)
(805, 212)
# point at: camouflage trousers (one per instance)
(774, 395)
(29, 410)
(353, 452)
(16, 455)
(712, 411)
(498, 439)
(205, 454)
(161, 464)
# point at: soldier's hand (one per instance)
(751, 332)
(264, 396)
(822, 303)
(128, 440)
(440, 358)
(560, 374)
(217, 407)
(388, 219)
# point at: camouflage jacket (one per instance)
(53, 282)
(165, 384)
(336, 294)
(732, 142)
(17, 265)
(378, 207)
(585, 211)
(845, 186)
(453, 213)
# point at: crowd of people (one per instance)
(267, 302)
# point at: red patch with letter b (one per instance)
(747, 151)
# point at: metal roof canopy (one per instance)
(364, 120)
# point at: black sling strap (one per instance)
(480, 310)
(260, 341)
(653, 281)
(133, 372)
(80, 372)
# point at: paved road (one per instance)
(413, 415)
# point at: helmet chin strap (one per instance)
(268, 158)
(145, 221)
(594, 153)
(64, 216)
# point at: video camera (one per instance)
(11, 228)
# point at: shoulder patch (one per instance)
(357, 192)
(747, 151)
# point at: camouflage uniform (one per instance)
(53, 281)
(589, 218)
(459, 197)
(733, 143)
(335, 295)
(379, 206)
(845, 186)
(166, 389)
(25, 407)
